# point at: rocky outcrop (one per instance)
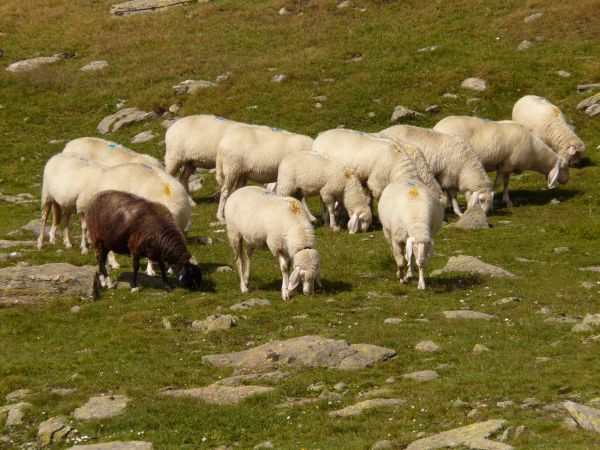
(142, 6)
(472, 436)
(123, 117)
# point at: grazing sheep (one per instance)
(253, 152)
(507, 147)
(258, 219)
(410, 215)
(309, 173)
(548, 123)
(376, 160)
(452, 161)
(127, 224)
(65, 176)
(108, 153)
(192, 142)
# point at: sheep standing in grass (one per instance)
(192, 142)
(127, 224)
(309, 173)
(108, 153)
(547, 122)
(410, 215)
(452, 161)
(256, 219)
(253, 152)
(507, 147)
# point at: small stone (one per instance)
(371, 114)
(383, 445)
(542, 359)
(339, 386)
(524, 45)
(390, 380)
(554, 201)
(344, 4)
(472, 100)
(375, 393)
(431, 48)
(56, 142)
(392, 321)
(587, 87)
(450, 95)
(219, 394)
(358, 408)
(17, 395)
(511, 433)
(466, 314)
(432, 109)
(102, 407)
(459, 404)
(278, 78)
(33, 63)
(215, 323)
(588, 285)
(221, 78)
(75, 309)
(592, 319)
(402, 112)
(144, 136)
(192, 86)
(479, 349)
(318, 105)
(283, 12)
(505, 404)
(563, 73)
(63, 391)
(582, 328)
(123, 117)
(316, 387)
(505, 300)
(250, 304)
(422, 375)
(533, 17)
(330, 396)
(94, 65)
(476, 84)
(266, 444)
(174, 108)
(593, 110)
(16, 412)
(223, 269)
(427, 346)
(530, 403)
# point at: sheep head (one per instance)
(361, 219)
(189, 275)
(306, 271)
(559, 173)
(484, 198)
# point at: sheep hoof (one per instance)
(509, 204)
(84, 250)
(150, 273)
(135, 289)
(114, 266)
(39, 246)
(421, 286)
(68, 245)
(285, 295)
(336, 228)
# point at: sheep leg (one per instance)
(56, 219)
(65, 224)
(104, 278)
(421, 284)
(229, 185)
(45, 214)
(84, 249)
(398, 252)
(163, 274)
(325, 213)
(246, 268)
(238, 252)
(455, 207)
(505, 198)
(186, 173)
(284, 264)
(135, 260)
(312, 218)
(331, 211)
(112, 261)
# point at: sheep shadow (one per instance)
(537, 197)
(155, 282)
(448, 283)
(330, 287)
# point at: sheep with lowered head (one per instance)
(127, 224)
(108, 153)
(410, 216)
(253, 152)
(452, 161)
(310, 173)
(547, 122)
(507, 147)
(256, 219)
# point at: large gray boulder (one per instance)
(472, 436)
(471, 264)
(141, 6)
(123, 117)
(27, 65)
(102, 407)
(473, 219)
(219, 394)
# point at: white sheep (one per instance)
(253, 152)
(410, 215)
(507, 147)
(547, 122)
(108, 153)
(257, 219)
(309, 173)
(452, 161)
(192, 142)
(376, 160)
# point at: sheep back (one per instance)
(107, 152)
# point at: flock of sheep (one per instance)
(129, 204)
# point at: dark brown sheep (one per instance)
(128, 224)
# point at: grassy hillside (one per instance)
(364, 59)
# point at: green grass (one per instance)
(119, 345)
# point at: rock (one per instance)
(392, 321)
(55, 429)
(36, 284)
(431, 48)
(316, 387)
(215, 322)
(144, 136)
(63, 391)
(32, 227)
(251, 303)
(450, 95)
(427, 346)
(116, 445)
(592, 319)
(588, 418)
(593, 110)
(561, 319)
(10, 244)
(358, 408)
(505, 300)
(569, 424)
(266, 444)
(383, 445)
(554, 201)
(271, 377)
(219, 394)
(476, 84)
(473, 219)
(422, 375)
(511, 433)
(562, 250)
(166, 124)
(471, 436)
(344, 4)
(533, 17)
(224, 269)
(174, 108)
(432, 109)
(20, 394)
(590, 269)
(402, 112)
(588, 285)
(340, 386)
(312, 351)
(375, 393)
(473, 265)
(585, 104)
(467, 314)
(141, 6)
(458, 403)
(33, 63)
(18, 199)
(587, 87)
(563, 73)
(284, 11)
(505, 404)
(524, 45)
(75, 309)
(123, 117)
(530, 403)
(479, 349)
(94, 65)
(102, 407)
(278, 78)
(15, 413)
(330, 396)
(581, 328)
(192, 86)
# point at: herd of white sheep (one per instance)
(410, 170)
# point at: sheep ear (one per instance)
(409, 249)
(473, 199)
(294, 280)
(353, 224)
(571, 151)
(553, 177)
(193, 261)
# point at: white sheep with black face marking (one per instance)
(452, 161)
(547, 122)
(507, 147)
(108, 153)
(410, 215)
(192, 142)
(259, 219)
(309, 173)
(253, 152)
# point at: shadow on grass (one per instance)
(212, 267)
(146, 281)
(329, 287)
(450, 283)
(537, 197)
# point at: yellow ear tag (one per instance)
(414, 192)
(295, 207)
(167, 189)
